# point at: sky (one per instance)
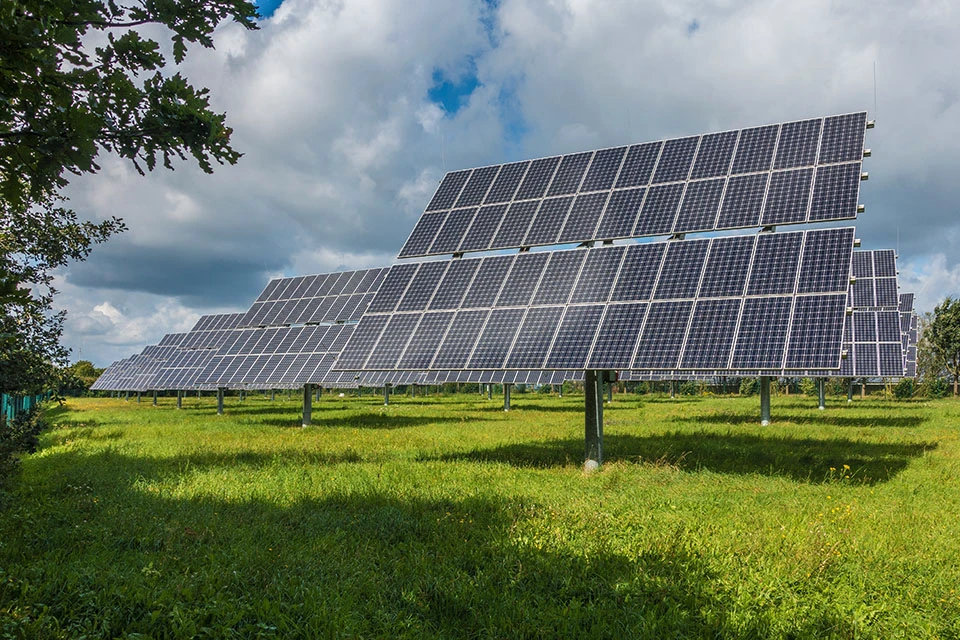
(349, 113)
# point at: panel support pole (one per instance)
(673, 388)
(850, 391)
(154, 398)
(219, 401)
(241, 396)
(489, 392)
(138, 397)
(609, 392)
(821, 394)
(126, 397)
(307, 404)
(386, 395)
(506, 397)
(764, 400)
(179, 399)
(593, 423)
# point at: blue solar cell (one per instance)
(816, 332)
(885, 290)
(393, 288)
(891, 360)
(617, 338)
(727, 266)
(675, 159)
(603, 170)
(621, 214)
(423, 234)
(454, 285)
(392, 341)
(712, 330)
(451, 234)
(422, 346)
(788, 197)
(457, 345)
(762, 335)
(884, 264)
(583, 217)
(422, 287)
(821, 269)
(659, 210)
(522, 280)
(538, 176)
(569, 174)
(535, 335)
(494, 343)
(663, 333)
(862, 293)
(638, 272)
(862, 264)
(574, 337)
(775, 264)
(700, 206)
(888, 326)
(598, 275)
(515, 223)
(865, 326)
(484, 227)
(867, 362)
(714, 155)
(835, 192)
(505, 186)
(487, 282)
(638, 165)
(682, 268)
(548, 222)
(448, 190)
(797, 146)
(755, 149)
(743, 201)
(477, 186)
(559, 277)
(843, 138)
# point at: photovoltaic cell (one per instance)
(659, 210)
(638, 165)
(714, 155)
(558, 278)
(682, 268)
(569, 174)
(549, 220)
(727, 266)
(638, 274)
(583, 217)
(505, 186)
(574, 337)
(538, 176)
(498, 334)
(522, 280)
(485, 225)
(598, 275)
(535, 335)
(662, 338)
(743, 201)
(819, 268)
(712, 330)
(816, 332)
(451, 234)
(762, 337)
(603, 170)
(617, 337)
(423, 234)
(420, 351)
(487, 282)
(797, 146)
(843, 138)
(776, 264)
(449, 189)
(788, 197)
(701, 204)
(835, 193)
(755, 149)
(477, 186)
(621, 214)
(454, 285)
(675, 159)
(515, 223)
(458, 343)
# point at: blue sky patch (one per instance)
(693, 26)
(266, 8)
(452, 94)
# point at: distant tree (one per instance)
(944, 336)
(78, 77)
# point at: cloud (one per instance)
(345, 133)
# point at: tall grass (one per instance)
(446, 517)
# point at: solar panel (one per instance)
(790, 173)
(655, 306)
(324, 298)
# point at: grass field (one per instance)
(446, 517)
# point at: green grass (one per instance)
(446, 517)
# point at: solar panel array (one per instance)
(796, 172)
(909, 329)
(325, 298)
(875, 285)
(276, 357)
(764, 302)
(197, 348)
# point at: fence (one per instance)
(12, 406)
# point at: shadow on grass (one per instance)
(360, 564)
(800, 459)
(813, 416)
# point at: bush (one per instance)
(808, 387)
(934, 387)
(689, 388)
(18, 436)
(904, 389)
(749, 386)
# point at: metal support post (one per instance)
(764, 400)
(386, 395)
(506, 397)
(219, 401)
(609, 392)
(319, 391)
(138, 397)
(593, 424)
(489, 392)
(850, 391)
(673, 388)
(821, 394)
(307, 404)
(154, 398)
(179, 399)
(126, 396)
(273, 394)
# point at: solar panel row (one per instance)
(807, 171)
(771, 301)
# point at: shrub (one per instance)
(904, 389)
(749, 386)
